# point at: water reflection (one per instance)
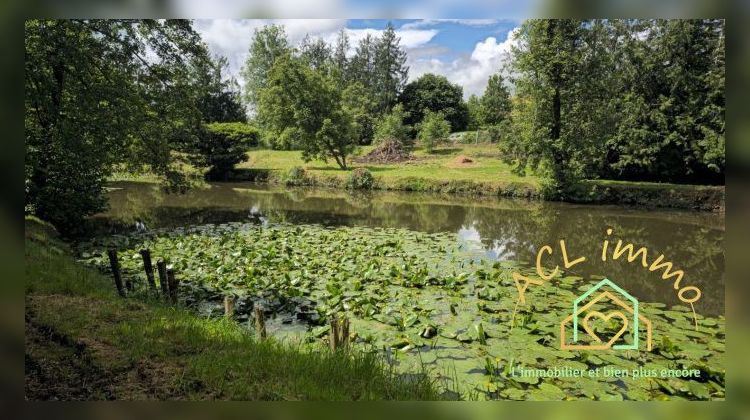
(506, 229)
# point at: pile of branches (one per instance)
(390, 151)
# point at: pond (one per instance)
(429, 280)
(507, 230)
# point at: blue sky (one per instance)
(466, 51)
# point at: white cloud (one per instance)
(470, 70)
(426, 23)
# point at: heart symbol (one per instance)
(605, 318)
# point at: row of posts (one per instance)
(338, 334)
(167, 280)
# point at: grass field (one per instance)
(438, 165)
(83, 342)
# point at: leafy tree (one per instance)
(223, 145)
(268, 44)
(474, 111)
(220, 100)
(340, 62)
(392, 127)
(671, 102)
(316, 53)
(304, 107)
(362, 65)
(553, 64)
(495, 103)
(95, 99)
(390, 69)
(435, 93)
(361, 106)
(433, 128)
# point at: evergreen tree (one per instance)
(390, 69)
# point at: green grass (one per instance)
(432, 166)
(147, 349)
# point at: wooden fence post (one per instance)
(161, 267)
(146, 254)
(228, 306)
(260, 322)
(173, 285)
(115, 266)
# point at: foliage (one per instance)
(409, 294)
(433, 128)
(392, 127)
(296, 175)
(495, 103)
(315, 53)
(220, 100)
(223, 145)
(360, 179)
(637, 100)
(357, 102)
(390, 69)
(301, 107)
(268, 44)
(474, 112)
(78, 303)
(93, 99)
(437, 94)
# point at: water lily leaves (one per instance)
(425, 301)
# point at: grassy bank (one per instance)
(84, 342)
(487, 174)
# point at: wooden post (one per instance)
(344, 340)
(161, 267)
(228, 306)
(333, 334)
(146, 254)
(338, 336)
(173, 285)
(115, 266)
(260, 322)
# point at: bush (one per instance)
(223, 145)
(433, 128)
(295, 176)
(392, 127)
(360, 179)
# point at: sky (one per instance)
(466, 51)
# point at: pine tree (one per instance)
(390, 69)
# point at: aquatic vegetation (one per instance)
(425, 300)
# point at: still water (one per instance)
(505, 229)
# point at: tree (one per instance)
(437, 94)
(390, 69)
(475, 113)
(304, 107)
(433, 128)
(269, 43)
(316, 53)
(95, 99)
(340, 62)
(220, 100)
(392, 127)
(361, 107)
(362, 65)
(495, 103)
(549, 64)
(223, 145)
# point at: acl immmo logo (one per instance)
(617, 328)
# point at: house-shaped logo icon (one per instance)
(626, 312)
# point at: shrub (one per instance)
(392, 127)
(295, 176)
(433, 128)
(360, 179)
(223, 145)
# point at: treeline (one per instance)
(619, 99)
(103, 93)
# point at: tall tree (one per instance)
(315, 52)
(269, 43)
(220, 99)
(362, 65)
(94, 98)
(435, 93)
(391, 70)
(340, 62)
(303, 106)
(476, 115)
(495, 101)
